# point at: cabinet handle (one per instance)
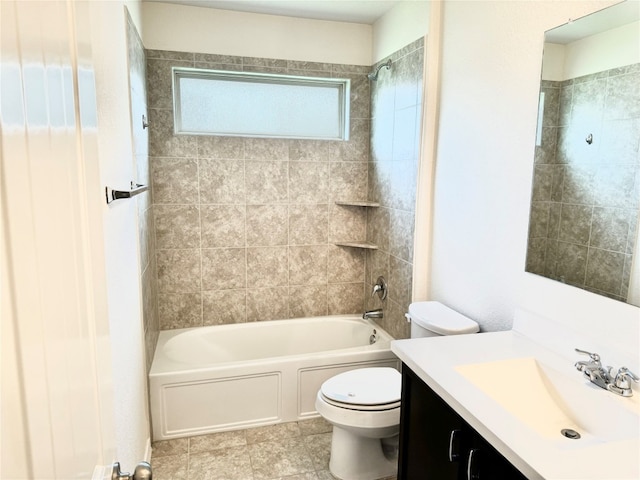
(453, 456)
(471, 475)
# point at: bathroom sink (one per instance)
(549, 401)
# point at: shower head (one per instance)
(373, 76)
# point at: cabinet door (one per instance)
(483, 462)
(426, 426)
(437, 444)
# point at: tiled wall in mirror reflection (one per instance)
(586, 190)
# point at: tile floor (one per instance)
(286, 451)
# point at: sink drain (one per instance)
(569, 433)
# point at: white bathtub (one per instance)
(228, 377)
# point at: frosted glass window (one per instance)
(213, 102)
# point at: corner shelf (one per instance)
(364, 245)
(357, 203)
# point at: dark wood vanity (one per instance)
(438, 444)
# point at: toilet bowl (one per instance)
(363, 405)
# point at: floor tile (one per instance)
(314, 425)
(170, 467)
(280, 459)
(170, 447)
(231, 463)
(272, 433)
(301, 476)
(286, 451)
(319, 448)
(213, 441)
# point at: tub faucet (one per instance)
(372, 314)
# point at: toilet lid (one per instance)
(364, 386)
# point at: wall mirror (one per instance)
(583, 224)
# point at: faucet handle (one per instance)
(623, 376)
(380, 288)
(595, 358)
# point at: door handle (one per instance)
(142, 472)
(454, 455)
(471, 474)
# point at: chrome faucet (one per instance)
(373, 314)
(603, 377)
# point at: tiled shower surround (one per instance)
(586, 195)
(245, 227)
(149, 282)
(396, 112)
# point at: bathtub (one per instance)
(229, 377)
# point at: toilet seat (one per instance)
(370, 389)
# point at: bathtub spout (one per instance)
(373, 314)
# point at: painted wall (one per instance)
(611, 49)
(213, 31)
(192, 29)
(122, 260)
(490, 84)
(403, 24)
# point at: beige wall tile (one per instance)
(401, 229)
(349, 181)
(223, 268)
(267, 225)
(174, 180)
(265, 207)
(379, 227)
(345, 265)
(266, 182)
(347, 223)
(266, 149)
(179, 270)
(177, 226)
(163, 142)
(267, 303)
(345, 298)
(267, 266)
(221, 307)
(221, 181)
(308, 224)
(179, 310)
(308, 182)
(308, 265)
(223, 225)
(214, 146)
(307, 301)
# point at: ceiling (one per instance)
(354, 11)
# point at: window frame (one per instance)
(343, 86)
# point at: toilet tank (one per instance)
(431, 319)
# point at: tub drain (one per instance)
(569, 433)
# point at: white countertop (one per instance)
(435, 359)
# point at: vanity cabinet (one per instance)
(436, 443)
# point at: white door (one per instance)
(58, 412)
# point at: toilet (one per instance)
(363, 405)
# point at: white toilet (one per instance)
(363, 405)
